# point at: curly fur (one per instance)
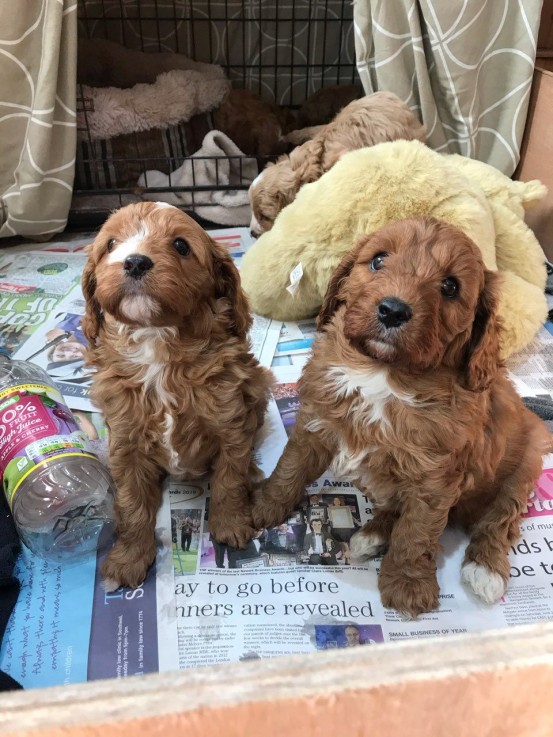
(422, 417)
(175, 379)
(373, 119)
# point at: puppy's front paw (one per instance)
(265, 511)
(408, 595)
(366, 544)
(127, 565)
(234, 530)
(485, 583)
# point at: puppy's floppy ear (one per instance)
(228, 286)
(93, 318)
(306, 162)
(332, 300)
(482, 351)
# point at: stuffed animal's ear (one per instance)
(332, 299)
(93, 318)
(482, 352)
(228, 286)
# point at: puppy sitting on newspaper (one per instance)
(405, 395)
(168, 323)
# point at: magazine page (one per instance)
(296, 338)
(31, 286)
(288, 591)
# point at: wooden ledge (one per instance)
(489, 683)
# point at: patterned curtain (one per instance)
(38, 59)
(464, 65)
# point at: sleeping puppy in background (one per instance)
(325, 103)
(168, 326)
(258, 127)
(372, 119)
(406, 396)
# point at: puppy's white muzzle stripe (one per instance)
(126, 248)
(254, 226)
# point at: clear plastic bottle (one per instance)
(59, 492)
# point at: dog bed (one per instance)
(174, 97)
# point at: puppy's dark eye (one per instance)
(181, 246)
(111, 243)
(450, 287)
(378, 261)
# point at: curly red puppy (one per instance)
(181, 393)
(406, 395)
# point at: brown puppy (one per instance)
(181, 393)
(255, 125)
(372, 119)
(324, 104)
(406, 396)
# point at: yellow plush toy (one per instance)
(373, 186)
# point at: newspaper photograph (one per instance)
(58, 346)
(296, 339)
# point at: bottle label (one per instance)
(35, 427)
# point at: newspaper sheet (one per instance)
(66, 628)
(293, 589)
(294, 345)
(31, 286)
(531, 369)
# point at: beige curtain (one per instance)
(38, 57)
(464, 65)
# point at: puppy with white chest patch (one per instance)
(405, 395)
(181, 393)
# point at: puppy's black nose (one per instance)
(253, 233)
(137, 265)
(393, 312)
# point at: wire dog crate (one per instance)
(283, 50)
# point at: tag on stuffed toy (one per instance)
(295, 278)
